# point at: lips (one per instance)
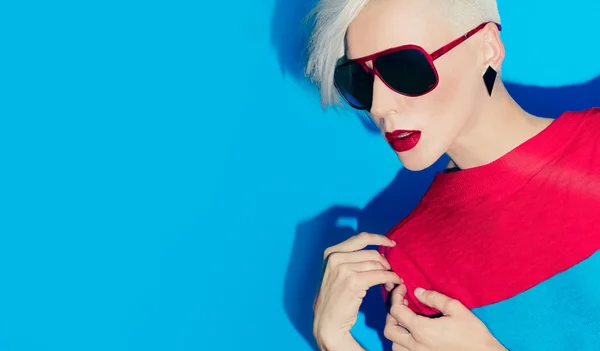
(403, 140)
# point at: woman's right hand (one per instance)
(349, 272)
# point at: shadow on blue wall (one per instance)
(396, 200)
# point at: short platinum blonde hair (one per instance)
(331, 18)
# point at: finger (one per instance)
(338, 258)
(372, 278)
(364, 266)
(405, 316)
(396, 335)
(359, 242)
(439, 301)
(399, 336)
(389, 287)
(398, 294)
(402, 290)
(389, 319)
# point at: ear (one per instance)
(492, 47)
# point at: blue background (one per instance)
(169, 182)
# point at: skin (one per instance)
(458, 118)
(458, 330)
(349, 272)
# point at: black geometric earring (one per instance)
(489, 78)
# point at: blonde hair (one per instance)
(331, 18)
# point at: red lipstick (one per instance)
(403, 140)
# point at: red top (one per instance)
(485, 234)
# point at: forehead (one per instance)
(383, 24)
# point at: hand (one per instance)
(458, 330)
(349, 273)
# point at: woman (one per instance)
(504, 241)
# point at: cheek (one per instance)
(452, 83)
(460, 74)
(449, 105)
(437, 104)
(455, 91)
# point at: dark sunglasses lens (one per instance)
(407, 71)
(355, 85)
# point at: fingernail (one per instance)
(393, 243)
(405, 302)
(419, 291)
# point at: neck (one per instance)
(499, 126)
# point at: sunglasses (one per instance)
(406, 69)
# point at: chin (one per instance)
(416, 162)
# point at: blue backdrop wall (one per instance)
(169, 182)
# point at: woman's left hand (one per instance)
(458, 330)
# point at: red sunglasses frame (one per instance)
(430, 57)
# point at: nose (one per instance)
(384, 100)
